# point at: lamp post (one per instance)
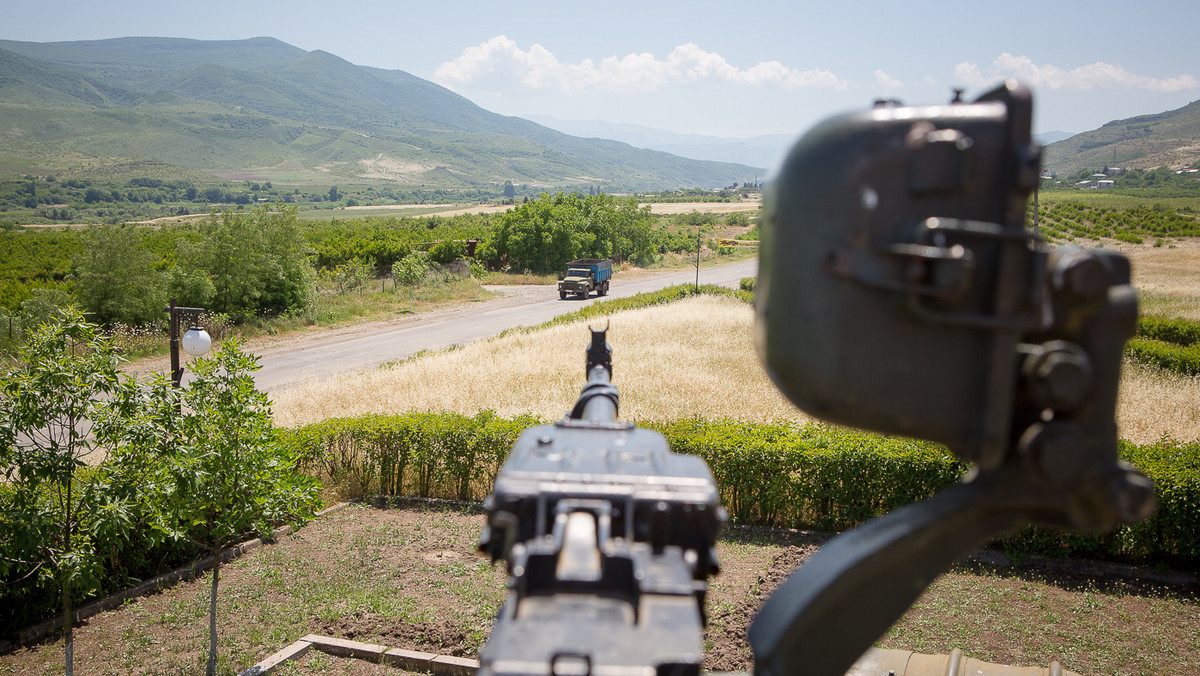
(195, 342)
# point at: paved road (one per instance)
(367, 347)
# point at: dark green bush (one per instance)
(1168, 356)
(815, 476)
(1183, 332)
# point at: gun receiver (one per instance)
(609, 541)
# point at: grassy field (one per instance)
(667, 365)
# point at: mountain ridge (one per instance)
(1170, 138)
(261, 104)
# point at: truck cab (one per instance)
(585, 275)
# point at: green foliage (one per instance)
(748, 283)
(811, 476)
(234, 479)
(352, 275)
(1170, 343)
(31, 259)
(54, 415)
(185, 472)
(1183, 332)
(542, 235)
(691, 195)
(257, 263)
(115, 277)
(738, 218)
(1167, 356)
(412, 268)
(379, 248)
(447, 251)
(416, 454)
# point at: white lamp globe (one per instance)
(196, 341)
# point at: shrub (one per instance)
(1169, 330)
(815, 476)
(1183, 360)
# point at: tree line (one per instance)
(265, 262)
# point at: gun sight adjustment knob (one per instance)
(1081, 274)
(1058, 375)
(1132, 496)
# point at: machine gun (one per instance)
(609, 539)
(899, 291)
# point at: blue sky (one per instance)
(727, 69)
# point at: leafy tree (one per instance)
(257, 262)
(510, 191)
(447, 251)
(543, 234)
(410, 270)
(54, 416)
(115, 277)
(230, 476)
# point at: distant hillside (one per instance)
(756, 151)
(267, 107)
(1170, 139)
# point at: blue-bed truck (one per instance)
(585, 275)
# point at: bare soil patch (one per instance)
(409, 577)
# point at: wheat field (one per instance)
(1167, 278)
(692, 358)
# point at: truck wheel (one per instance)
(583, 294)
(562, 295)
(603, 290)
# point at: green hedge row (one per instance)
(1170, 343)
(428, 455)
(815, 476)
(1183, 332)
(1167, 356)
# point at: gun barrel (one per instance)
(598, 399)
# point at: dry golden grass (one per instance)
(689, 359)
(1153, 403)
(1168, 278)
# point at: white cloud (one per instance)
(1091, 76)
(538, 68)
(887, 81)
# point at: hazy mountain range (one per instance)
(264, 106)
(756, 151)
